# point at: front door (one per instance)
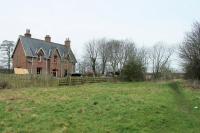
(54, 72)
(39, 70)
(65, 73)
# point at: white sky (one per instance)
(144, 21)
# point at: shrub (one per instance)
(4, 85)
(89, 74)
(133, 71)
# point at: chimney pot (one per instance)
(27, 34)
(67, 43)
(47, 38)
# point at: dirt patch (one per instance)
(182, 102)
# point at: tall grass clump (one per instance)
(5, 85)
(23, 81)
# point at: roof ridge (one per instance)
(41, 40)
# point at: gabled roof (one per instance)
(32, 45)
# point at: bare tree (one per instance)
(143, 55)
(190, 52)
(160, 56)
(82, 66)
(92, 54)
(112, 53)
(7, 47)
(114, 48)
(103, 49)
(116, 53)
(127, 51)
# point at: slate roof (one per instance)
(32, 46)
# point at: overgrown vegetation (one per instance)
(134, 70)
(22, 81)
(190, 53)
(106, 107)
(5, 85)
(26, 81)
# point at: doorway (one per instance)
(54, 72)
(39, 70)
(65, 74)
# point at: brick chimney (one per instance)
(47, 38)
(67, 43)
(27, 34)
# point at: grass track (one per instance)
(105, 107)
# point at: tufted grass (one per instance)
(101, 108)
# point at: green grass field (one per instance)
(149, 107)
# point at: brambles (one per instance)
(4, 85)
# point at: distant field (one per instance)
(101, 108)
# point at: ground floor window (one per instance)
(39, 70)
(54, 72)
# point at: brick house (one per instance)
(43, 56)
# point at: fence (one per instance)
(23, 81)
(82, 80)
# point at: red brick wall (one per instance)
(55, 65)
(44, 64)
(69, 67)
(19, 59)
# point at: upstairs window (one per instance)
(39, 58)
(55, 58)
(40, 55)
(68, 58)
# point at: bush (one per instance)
(133, 71)
(89, 74)
(192, 71)
(4, 85)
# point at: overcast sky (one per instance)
(144, 21)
